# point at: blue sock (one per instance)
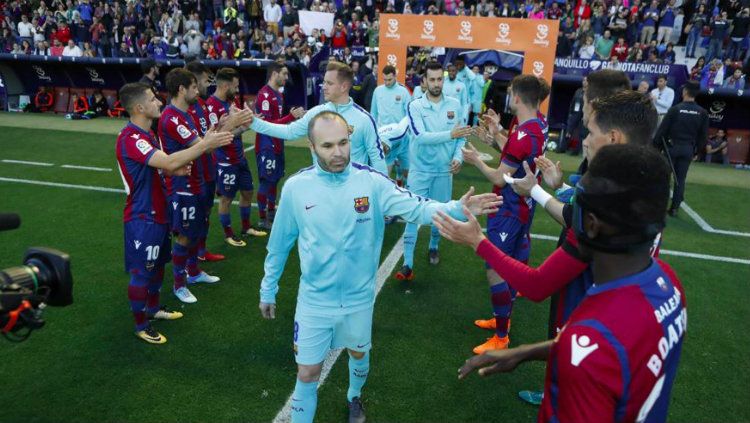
(245, 217)
(263, 198)
(225, 219)
(502, 306)
(304, 401)
(410, 242)
(434, 238)
(358, 370)
(179, 261)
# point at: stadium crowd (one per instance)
(621, 30)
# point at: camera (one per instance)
(43, 279)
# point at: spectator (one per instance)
(620, 50)
(25, 29)
(666, 22)
(124, 51)
(88, 50)
(668, 56)
(604, 46)
(289, 18)
(663, 97)
(716, 148)
(241, 52)
(736, 81)
(41, 49)
(566, 38)
(719, 29)
(635, 53)
(599, 20)
(739, 35)
(695, 72)
(618, 24)
(255, 12)
(230, 18)
(643, 87)
(587, 51)
(339, 38)
(650, 18)
(57, 48)
(583, 32)
(582, 12)
(157, 48)
(72, 50)
(694, 29)
(272, 16)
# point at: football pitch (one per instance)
(224, 363)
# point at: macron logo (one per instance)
(503, 236)
(137, 244)
(174, 205)
(521, 134)
(580, 349)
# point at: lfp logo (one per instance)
(542, 32)
(538, 70)
(428, 27)
(464, 34)
(393, 29)
(503, 32)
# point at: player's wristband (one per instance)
(540, 195)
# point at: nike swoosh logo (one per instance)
(309, 207)
(362, 346)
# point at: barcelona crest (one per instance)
(451, 114)
(362, 204)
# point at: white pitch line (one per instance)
(95, 169)
(384, 271)
(706, 226)
(27, 162)
(252, 147)
(535, 236)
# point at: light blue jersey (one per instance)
(468, 78)
(337, 220)
(477, 94)
(389, 104)
(365, 145)
(456, 89)
(418, 93)
(396, 136)
(431, 148)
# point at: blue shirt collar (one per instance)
(647, 276)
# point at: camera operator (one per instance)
(683, 130)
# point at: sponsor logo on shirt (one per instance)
(398, 98)
(503, 236)
(143, 146)
(362, 204)
(184, 132)
(580, 349)
(137, 244)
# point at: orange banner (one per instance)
(536, 39)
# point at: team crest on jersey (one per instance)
(350, 128)
(662, 284)
(362, 204)
(451, 114)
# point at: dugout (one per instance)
(65, 76)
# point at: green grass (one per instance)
(224, 363)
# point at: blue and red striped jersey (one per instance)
(616, 359)
(233, 153)
(525, 143)
(199, 113)
(146, 198)
(177, 131)
(270, 105)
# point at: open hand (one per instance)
(481, 203)
(467, 233)
(496, 361)
(471, 155)
(267, 310)
(551, 172)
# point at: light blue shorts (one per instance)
(435, 186)
(401, 153)
(316, 333)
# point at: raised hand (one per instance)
(524, 185)
(455, 166)
(551, 172)
(467, 233)
(481, 203)
(461, 132)
(297, 112)
(470, 153)
(214, 139)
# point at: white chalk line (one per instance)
(95, 169)
(384, 272)
(536, 236)
(25, 162)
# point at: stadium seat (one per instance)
(62, 99)
(738, 145)
(74, 94)
(111, 96)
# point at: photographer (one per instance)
(683, 130)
